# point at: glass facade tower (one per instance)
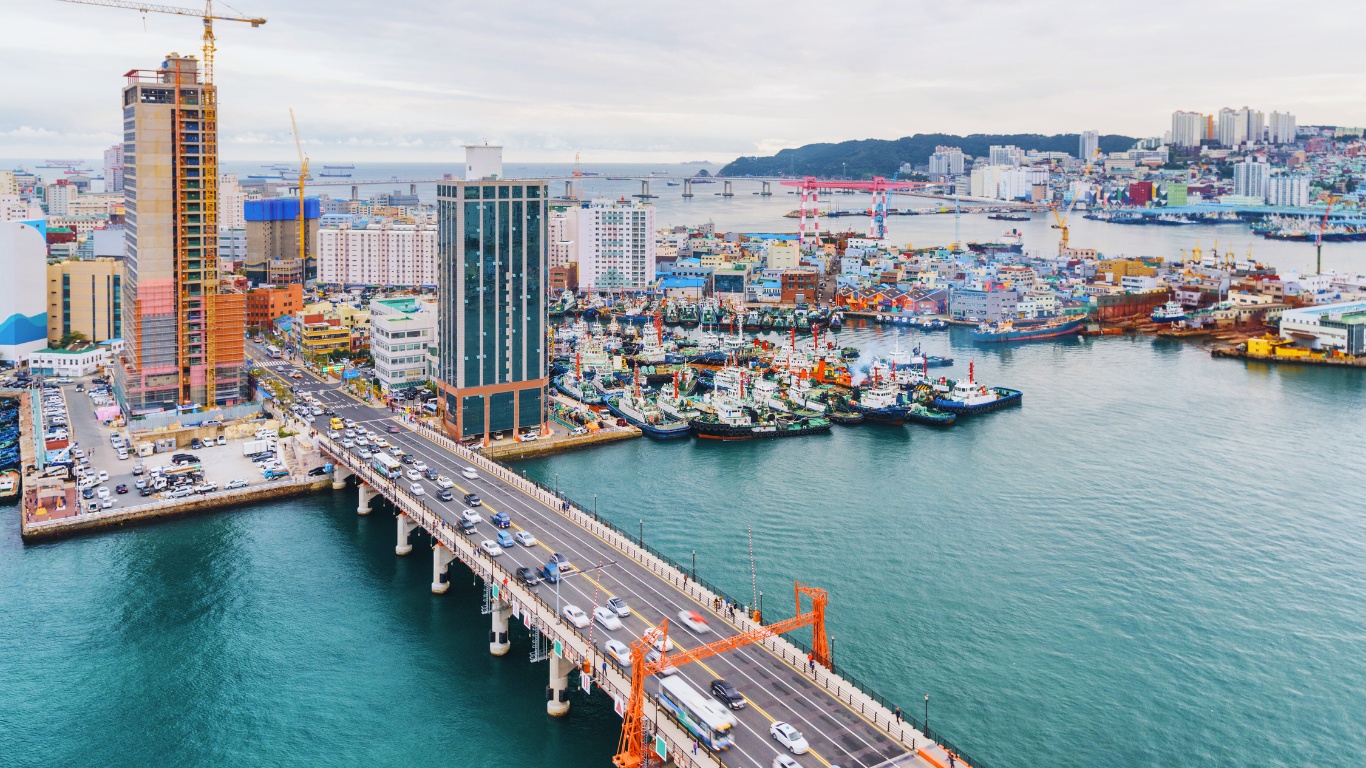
(492, 306)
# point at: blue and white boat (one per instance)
(968, 397)
(1171, 312)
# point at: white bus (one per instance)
(702, 717)
(386, 465)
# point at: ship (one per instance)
(1010, 242)
(922, 414)
(968, 397)
(732, 420)
(339, 167)
(639, 411)
(1009, 216)
(1170, 312)
(995, 333)
(880, 403)
(335, 175)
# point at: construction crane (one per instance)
(207, 15)
(1318, 241)
(303, 175)
(632, 748)
(1062, 220)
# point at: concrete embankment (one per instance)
(512, 450)
(39, 530)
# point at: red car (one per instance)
(394, 430)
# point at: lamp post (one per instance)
(595, 506)
(927, 715)
(557, 483)
(641, 539)
(694, 565)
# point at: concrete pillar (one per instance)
(726, 191)
(340, 475)
(498, 634)
(557, 693)
(687, 187)
(366, 494)
(767, 190)
(405, 526)
(441, 557)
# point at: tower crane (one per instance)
(207, 15)
(1062, 220)
(1318, 241)
(303, 175)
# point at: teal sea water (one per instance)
(1159, 559)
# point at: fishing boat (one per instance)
(967, 396)
(9, 485)
(1170, 312)
(994, 333)
(730, 419)
(639, 411)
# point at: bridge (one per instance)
(846, 724)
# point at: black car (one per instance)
(196, 443)
(317, 471)
(445, 494)
(431, 474)
(147, 491)
(468, 527)
(120, 488)
(528, 576)
(727, 694)
(472, 500)
(184, 458)
(88, 493)
(407, 458)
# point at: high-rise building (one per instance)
(492, 304)
(1250, 179)
(113, 169)
(946, 161)
(562, 240)
(616, 245)
(1231, 130)
(273, 240)
(384, 254)
(1007, 155)
(232, 203)
(60, 195)
(1088, 144)
(183, 333)
(1188, 128)
(1281, 128)
(1291, 189)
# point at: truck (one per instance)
(271, 474)
(253, 447)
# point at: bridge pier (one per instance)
(441, 557)
(498, 634)
(557, 693)
(405, 526)
(355, 192)
(340, 475)
(767, 191)
(366, 494)
(412, 189)
(726, 191)
(687, 187)
(569, 190)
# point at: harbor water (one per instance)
(1158, 559)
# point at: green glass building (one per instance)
(492, 306)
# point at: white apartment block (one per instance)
(59, 198)
(1087, 145)
(946, 161)
(402, 330)
(562, 237)
(1281, 128)
(1188, 128)
(386, 254)
(113, 170)
(1250, 179)
(231, 203)
(1288, 189)
(616, 245)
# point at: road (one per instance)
(775, 690)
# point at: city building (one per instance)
(401, 332)
(60, 195)
(183, 334)
(80, 359)
(1088, 144)
(85, 297)
(1250, 179)
(270, 302)
(1340, 326)
(1005, 155)
(317, 334)
(232, 248)
(232, 203)
(492, 305)
(616, 245)
(1188, 128)
(273, 240)
(1281, 128)
(1289, 189)
(987, 302)
(23, 308)
(946, 161)
(798, 286)
(381, 253)
(113, 169)
(562, 243)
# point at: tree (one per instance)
(71, 338)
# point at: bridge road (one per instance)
(776, 690)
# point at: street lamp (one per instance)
(641, 540)
(557, 483)
(694, 565)
(927, 715)
(595, 506)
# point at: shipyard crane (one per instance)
(1062, 220)
(632, 748)
(207, 15)
(1318, 241)
(303, 175)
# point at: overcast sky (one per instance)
(411, 80)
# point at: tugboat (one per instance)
(1170, 312)
(921, 414)
(640, 412)
(969, 397)
(572, 384)
(880, 403)
(732, 420)
(674, 404)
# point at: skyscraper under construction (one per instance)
(183, 333)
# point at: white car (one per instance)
(416, 489)
(472, 515)
(659, 644)
(789, 737)
(420, 466)
(669, 670)
(104, 476)
(606, 618)
(180, 493)
(333, 434)
(617, 604)
(525, 538)
(381, 442)
(576, 616)
(694, 621)
(362, 440)
(349, 422)
(222, 440)
(103, 492)
(445, 482)
(619, 652)
(413, 474)
(490, 547)
(783, 761)
(469, 473)
(106, 503)
(365, 454)
(235, 484)
(350, 433)
(348, 443)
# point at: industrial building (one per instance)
(1340, 327)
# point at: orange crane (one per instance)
(1062, 220)
(632, 748)
(303, 178)
(1318, 241)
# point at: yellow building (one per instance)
(1118, 269)
(85, 297)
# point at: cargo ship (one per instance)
(993, 333)
(969, 397)
(731, 420)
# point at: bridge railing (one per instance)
(535, 610)
(860, 697)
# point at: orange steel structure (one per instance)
(632, 748)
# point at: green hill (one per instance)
(882, 157)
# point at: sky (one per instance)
(414, 80)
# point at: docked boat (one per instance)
(9, 485)
(1171, 312)
(994, 333)
(922, 414)
(967, 396)
(639, 411)
(732, 420)
(880, 403)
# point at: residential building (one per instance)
(113, 169)
(616, 245)
(562, 243)
(783, 255)
(799, 286)
(946, 161)
(383, 253)
(1250, 179)
(184, 334)
(492, 303)
(401, 332)
(23, 308)
(1188, 128)
(1290, 189)
(15, 208)
(85, 297)
(1088, 144)
(232, 248)
(270, 302)
(1005, 155)
(273, 240)
(232, 203)
(60, 194)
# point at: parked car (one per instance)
(317, 471)
(235, 484)
(120, 488)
